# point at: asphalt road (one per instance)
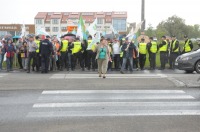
(144, 101)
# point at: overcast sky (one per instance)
(156, 10)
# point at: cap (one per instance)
(163, 36)
(37, 37)
(126, 39)
(142, 39)
(185, 36)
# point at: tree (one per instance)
(150, 31)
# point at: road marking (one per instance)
(113, 97)
(115, 104)
(111, 76)
(176, 82)
(2, 75)
(113, 113)
(111, 91)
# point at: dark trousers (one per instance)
(116, 61)
(9, 63)
(19, 60)
(77, 56)
(32, 55)
(163, 59)
(38, 61)
(91, 59)
(135, 62)
(58, 62)
(64, 60)
(172, 59)
(45, 62)
(152, 59)
(142, 60)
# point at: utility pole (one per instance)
(143, 16)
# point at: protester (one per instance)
(116, 53)
(24, 55)
(10, 52)
(18, 46)
(103, 56)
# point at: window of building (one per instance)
(87, 13)
(66, 13)
(63, 28)
(99, 21)
(119, 24)
(47, 28)
(54, 21)
(55, 29)
(108, 13)
(38, 21)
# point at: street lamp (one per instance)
(143, 15)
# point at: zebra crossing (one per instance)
(109, 76)
(114, 103)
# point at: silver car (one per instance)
(189, 62)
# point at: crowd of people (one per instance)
(44, 54)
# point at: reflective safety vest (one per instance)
(64, 46)
(187, 46)
(38, 44)
(77, 47)
(164, 47)
(143, 48)
(154, 47)
(173, 46)
(93, 46)
(121, 52)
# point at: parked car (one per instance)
(189, 62)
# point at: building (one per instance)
(15, 29)
(60, 22)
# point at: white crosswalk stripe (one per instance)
(95, 103)
(2, 75)
(111, 76)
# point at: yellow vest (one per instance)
(38, 44)
(143, 48)
(154, 47)
(77, 47)
(121, 52)
(173, 46)
(164, 47)
(187, 46)
(65, 46)
(93, 46)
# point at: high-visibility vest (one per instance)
(77, 47)
(154, 47)
(93, 46)
(38, 44)
(143, 48)
(173, 46)
(121, 52)
(187, 46)
(164, 47)
(64, 46)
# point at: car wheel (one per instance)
(197, 67)
(189, 71)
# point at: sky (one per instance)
(24, 11)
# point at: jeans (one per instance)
(20, 60)
(1, 60)
(32, 55)
(130, 63)
(9, 63)
(25, 63)
(117, 61)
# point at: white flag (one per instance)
(92, 29)
(23, 32)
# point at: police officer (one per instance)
(142, 53)
(38, 57)
(188, 46)
(77, 54)
(64, 54)
(45, 51)
(163, 47)
(91, 53)
(174, 52)
(152, 49)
